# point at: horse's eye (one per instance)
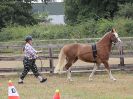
(113, 35)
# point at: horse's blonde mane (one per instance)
(105, 35)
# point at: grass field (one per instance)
(81, 88)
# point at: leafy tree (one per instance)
(16, 12)
(71, 11)
(126, 10)
(77, 11)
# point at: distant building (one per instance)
(55, 10)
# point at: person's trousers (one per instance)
(29, 64)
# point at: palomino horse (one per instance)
(72, 52)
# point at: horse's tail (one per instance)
(59, 66)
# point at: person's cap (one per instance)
(28, 38)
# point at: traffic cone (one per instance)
(12, 92)
(57, 94)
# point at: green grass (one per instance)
(100, 88)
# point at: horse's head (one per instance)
(114, 38)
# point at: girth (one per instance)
(94, 49)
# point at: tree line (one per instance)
(19, 12)
(77, 11)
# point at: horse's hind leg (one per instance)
(69, 75)
(106, 64)
(68, 67)
(93, 71)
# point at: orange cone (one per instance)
(57, 94)
(12, 92)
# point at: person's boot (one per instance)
(20, 81)
(42, 79)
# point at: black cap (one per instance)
(28, 38)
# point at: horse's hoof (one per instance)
(113, 79)
(71, 80)
(56, 72)
(90, 79)
(60, 73)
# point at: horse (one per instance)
(84, 52)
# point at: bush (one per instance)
(123, 28)
(129, 28)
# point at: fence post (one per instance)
(122, 64)
(51, 60)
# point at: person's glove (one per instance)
(39, 51)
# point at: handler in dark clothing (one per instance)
(29, 61)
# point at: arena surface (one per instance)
(81, 88)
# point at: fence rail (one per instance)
(12, 52)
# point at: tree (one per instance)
(126, 10)
(71, 11)
(16, 12)
(77, 11)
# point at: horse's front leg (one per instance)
(93, 71)
(106, 64)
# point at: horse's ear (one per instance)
(113, 30)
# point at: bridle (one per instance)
(114, 42)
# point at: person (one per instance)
(29, 61)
